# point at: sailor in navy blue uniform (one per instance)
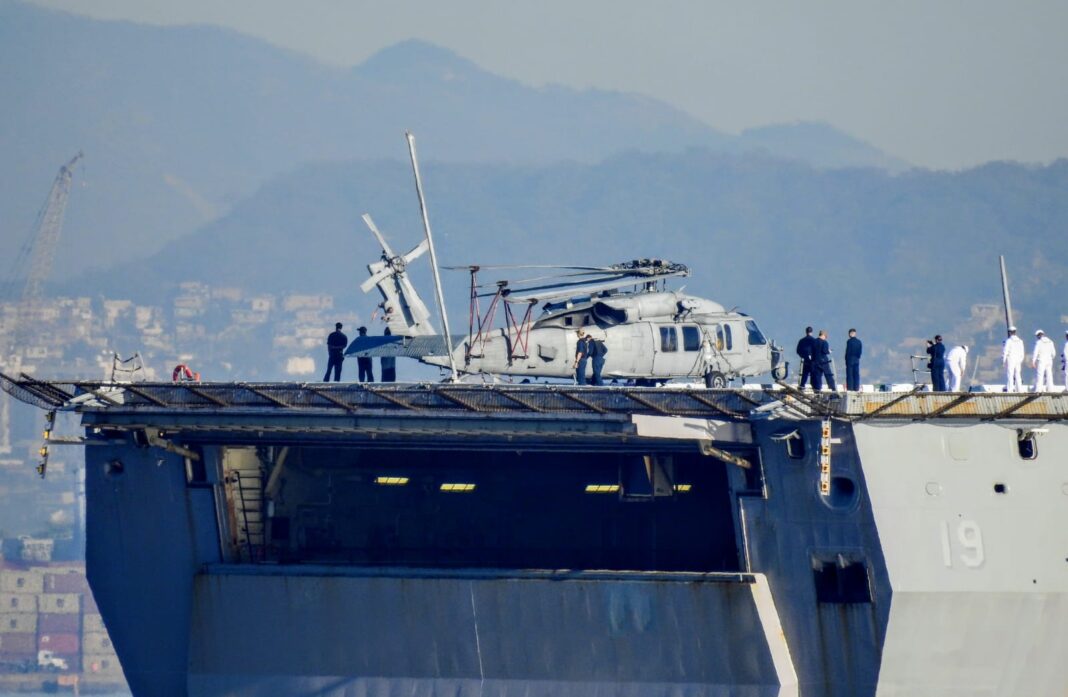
(852, 360)
(937, 351)
(821, 363)
(805, 349)
(335, 352)
(582, 355)
(364, 363)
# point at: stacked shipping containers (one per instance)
(50, 607)
(19, 590)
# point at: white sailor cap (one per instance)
(1039, 332)
(1012, 328)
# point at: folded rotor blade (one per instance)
(381, 240)
(377, 276)
(417, 252)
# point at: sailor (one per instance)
(364, 363)
(389, 364)
(852, 360)
(597, 352)
(956, 363)
(1042, 362)
(821, 363)
(1064, 360)
(582, 353)
(1012, 355)
(937, 351)
(335, 351)
(805, 350)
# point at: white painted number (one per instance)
(969, 541)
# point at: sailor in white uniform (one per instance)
(1042, 362)
(956, 362)
(1012, 355)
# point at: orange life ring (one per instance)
(182, 373)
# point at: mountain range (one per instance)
(178, 124)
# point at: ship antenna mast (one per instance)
(433, 256)
(1005, 293)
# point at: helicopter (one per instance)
(652, 334)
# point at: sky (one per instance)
(945, 84)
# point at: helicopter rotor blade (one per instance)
(416, 252)
(376, 277)
(381, 240)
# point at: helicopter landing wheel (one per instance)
(715, 380)
(780, 372)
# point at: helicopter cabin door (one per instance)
(671, 358)
(726, 351)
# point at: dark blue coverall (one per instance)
(852, 360)
(805, 350)
(597, 349)
(582, 354)
(937, 352)
(335, 348)
(821, 365)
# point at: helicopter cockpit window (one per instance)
(727, 335)
(668, 340)
(756, 337)
(691, 339)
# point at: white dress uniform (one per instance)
(1012, 355)
(1042, 361)
(956, 363)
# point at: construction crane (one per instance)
(43, 243)
(36, 257)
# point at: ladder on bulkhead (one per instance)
(248, 486)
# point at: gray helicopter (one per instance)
(652, 334)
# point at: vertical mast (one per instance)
(433, 256)
(1005, 294)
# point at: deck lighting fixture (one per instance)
(391, 481)
(683, 488)
(457, 486)
(602, 488)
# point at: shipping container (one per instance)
(89, 604)
(21, 582)
(65, 644)
(97, 642)
(18, 623)
(105, 664)
(74, 661)
(18, 643)
(92, 623)
(18, 602)
(48, 623)
(59, 603)
(70, 582)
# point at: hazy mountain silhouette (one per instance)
(178, 123)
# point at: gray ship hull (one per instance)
(912, 550)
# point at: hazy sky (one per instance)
(938, 83)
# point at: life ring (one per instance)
(182, 373)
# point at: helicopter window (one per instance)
(727, 334)
(668, 341)
(691, 339)
(567, 321)
(756, 337)
(719, 337)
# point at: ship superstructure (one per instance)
(288, 539)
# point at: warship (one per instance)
(448, 539)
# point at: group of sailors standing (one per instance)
(1013, 353)
(335, 353)
(816, 363)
